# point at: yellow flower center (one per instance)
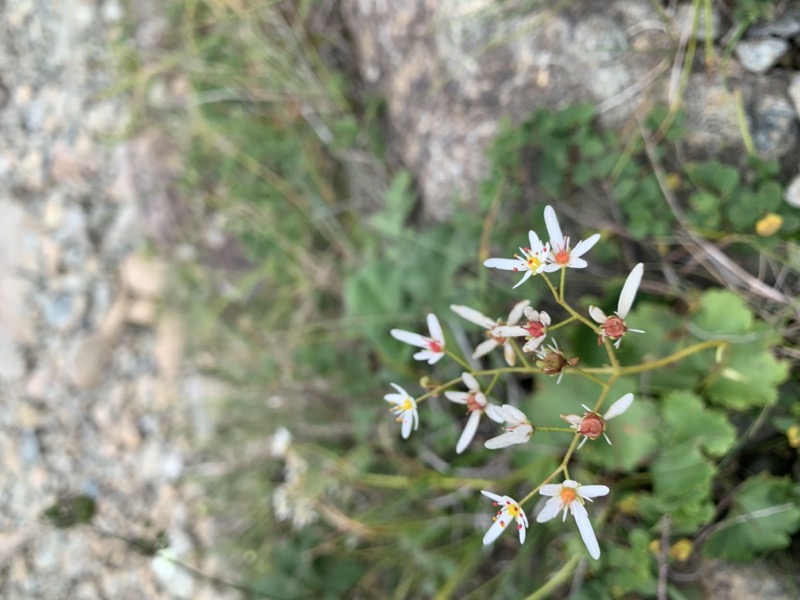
(406, 405)
(534, 263)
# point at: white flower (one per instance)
(509, 509)
(532, 260)
(561, 255)
(476, 403)
(518, 428)
(615, 327)
(591, 425)
(571, 496)
(405, 409)
(493, 341)
(433, 345)
(535, 330)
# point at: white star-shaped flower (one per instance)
(433, 345)
(531, 260)
(405, 410)
(494, 340)
(510, 510)
(518, 428)
(571, 496)
(591, 425)
(476, 402)
(614, 327)
(535, 330)
(561, 255)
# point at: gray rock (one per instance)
(792, 193)
(773, 123)
(794, 92)
(785, 25)
(64, 309)
(760, 55)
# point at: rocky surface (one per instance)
(452, 70)
(92, 371)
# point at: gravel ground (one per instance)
(96, 390)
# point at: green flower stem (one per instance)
(566, 321)
(661, 362)
(568, 308)
(557, 579)
(491, 384)
(460, 361)
(438, 389)
(562, 285)
(564, 429)
(401, 482)
(612, 356)
(588, 376)
(518, 351)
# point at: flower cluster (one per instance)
(521, 336)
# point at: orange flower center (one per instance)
(568, 495)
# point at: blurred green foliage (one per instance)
(703, 447)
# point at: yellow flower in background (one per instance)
(681, 550)
(793, 435)
(769, 224)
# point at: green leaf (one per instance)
(688, 420)
(715, 177)
(763, 517)
(69, 511)
(723, 313)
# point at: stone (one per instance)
(12, 363)
(773, 123)
(684, 18)
(794, 92)
(87, 359)
(792, 193)
(785, 25)
(142, 276)
(760, 580)
(64, 309)
(175, 580)
(760, 55)
(142, 312)
(169, 347)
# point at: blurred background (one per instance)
(214, 211)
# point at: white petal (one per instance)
(585, 527)
(551, 508)
(394, 398)
(469, 432)
(484, 348)
(493, 496)
(495, 530)
(619, 407)
(551, 489)
(435, 357)
(472, 315)
(629, 290)
(532, 344)
(535, 242)
(435, 328)
(424, 355)
(457, 397)
(521, 532)
(409, 337)
(509, 331)
(573, 420)
(584, 246)
(493, 412)
(513, 414)
(577, 263)
(593, 491)
(509, 354)
(471, 383)
(553, 228)
(506, 264)
(509, 438)
(408, 421)
(516, 313)
(525, 278)
(415, 413)
(544, 319)
(597, 314)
